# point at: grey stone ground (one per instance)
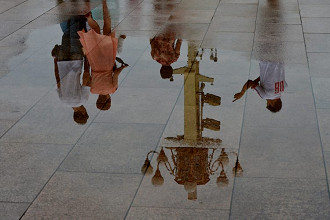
(52, 168)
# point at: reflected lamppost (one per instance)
(193, 162)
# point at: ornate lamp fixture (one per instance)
(191, 167)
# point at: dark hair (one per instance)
(276, 107)
(103, 102)
(80, 117)
(166, 72)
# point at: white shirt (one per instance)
(272, 80)
(71, 92)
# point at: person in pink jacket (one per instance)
(100, 50)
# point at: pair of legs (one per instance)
(106, 18)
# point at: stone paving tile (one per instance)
(316, 25)
(278, 32)
(278, 17)
(107, 152)
(232, 41)
(327, 162)
(155, 8)
(26, 168)
(314, 2)
(6, 5)
(321, 92)
(16, 101)
(239, 1)
(129, 105)
(18, 38)
(191, 16)
(200, 5)
(315, 11)
(233, 24)
(142, 23)
(318, 64)
(193, 32)
(295, 198)
(12, 211)
(104, 196)
(229, 63)
(324, 126)
(292, 115)
(283, 155)
(107, 158)
(126, 133)
(9, 52)
(46, 20)
(3, 73)
(5, 125)
(34, 75)
(38, 4)
(317, 43)
(57, 123)
(22, 14)
(139, 213)
(74, 8)
(279, 5)
(240, 10)
(280, 51)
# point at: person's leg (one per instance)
(93, 24)
(106, 18)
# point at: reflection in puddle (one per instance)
(165, 49)
(68, 63)
(194, 136)
(193, 162)
(100, 50)
(270, 85)
(84, 47)
(192, 166)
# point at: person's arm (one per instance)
(86, 75)
(255, 82)
(247, 85)
(178, 46)
(57, 76)
(116, 73)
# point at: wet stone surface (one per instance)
(164, 109)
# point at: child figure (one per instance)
(100, 50)
(270, 85)
(165, 51)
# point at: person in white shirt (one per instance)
(270, 85)
(68, 62)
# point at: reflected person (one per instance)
(100, 50)
(165, 49)
(68, 63)
(270, 85)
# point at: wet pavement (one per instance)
(164, 109)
